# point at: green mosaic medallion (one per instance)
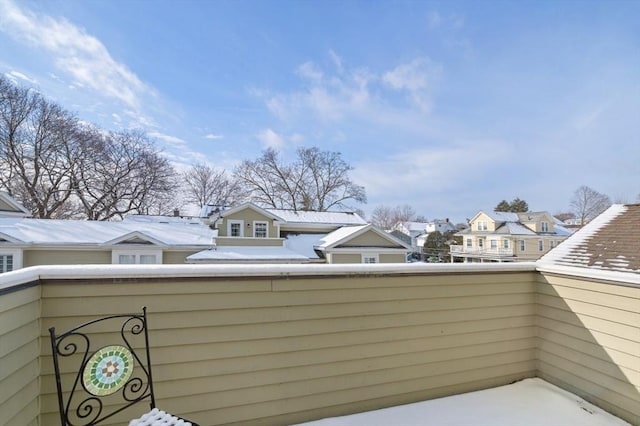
(107, 370)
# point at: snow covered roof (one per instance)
(609, 242)
(10, 207)
(345, 233)
(527, 402)
(248, 254)
(303, 244)
(513, 228)
(502, 216)
(331, 218)
(77, 232)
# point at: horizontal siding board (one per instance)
(592, 347)
(27, 416)
(18, 337)
(596, 287)
(588, 309)
(18, 358)
(596, 298)
(627, 406)
(17, 317)
(20, 404)
(18, 298)
(586, 362)
(18, 379)
(590, 323)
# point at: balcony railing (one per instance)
(494, 252)
(282, 344)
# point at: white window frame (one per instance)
(469, 243)
(375, 257)
(552, 244)
(255, 227)
(232, 222)
(16, 259)
(505, 243)
(480, 243)
(482, 225)
(540, 245)
(116, 253)
(545, 226)
(523, 245)
(493, 244)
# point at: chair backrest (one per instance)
(102, 367)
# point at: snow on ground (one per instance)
(530, 402)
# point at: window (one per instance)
(469, 243)
(235, 228)
(494, 244)
(545, 226)
(135, 257)
(540, 245)
(260, 230)
(522, 246)
(482, 226)
(552, 244)
(369, 258)
(505, 244)
(480, 243)
(6, 263)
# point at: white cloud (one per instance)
(271, 139)
(75, 52)
(213, 136)
(434, 19)
(309, 71)
(337, 61)
(172, 140)
(13, 75)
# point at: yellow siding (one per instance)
(253, 242)
(589, 341)
(346, 258)
(66, 257)
(285, 349)
(19, 352)
(293, 349)
(247, 215)
(393, 258)
(369, 239)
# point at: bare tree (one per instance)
(383, 217)
(387, 217)
(36, 147)
(587, 203)
(121, 173)
(205, 185)
(317, 180)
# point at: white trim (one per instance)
(265, 222)
(116, 253)
(235, 221)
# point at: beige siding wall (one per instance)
(589, 341)
(285, 349)
(370, 239)
(393, 258)
(65, 257)
(176, 257)
(278, 351)
(346, 258)
(248, 216)
(19, 352)
(260, 242)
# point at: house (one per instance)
(140, 240)
(508, 237)
(419, 231)
(249, 233)
(10, 207)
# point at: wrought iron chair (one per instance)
(97, 379)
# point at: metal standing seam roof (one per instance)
(329, 218)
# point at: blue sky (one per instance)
(449, 107)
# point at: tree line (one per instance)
(61, 167)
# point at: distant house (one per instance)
(249, 233)
(419, 231)
(609, 243)
(29, 242)
(10, 207)
(508, 237)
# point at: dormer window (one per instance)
(260, 230)
(545, 226)
(235, 228)
(482, 226)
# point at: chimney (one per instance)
(176, 212)
(447, 220)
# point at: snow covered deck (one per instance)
(530, 402)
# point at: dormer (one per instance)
(248, 221)
(538, 222)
